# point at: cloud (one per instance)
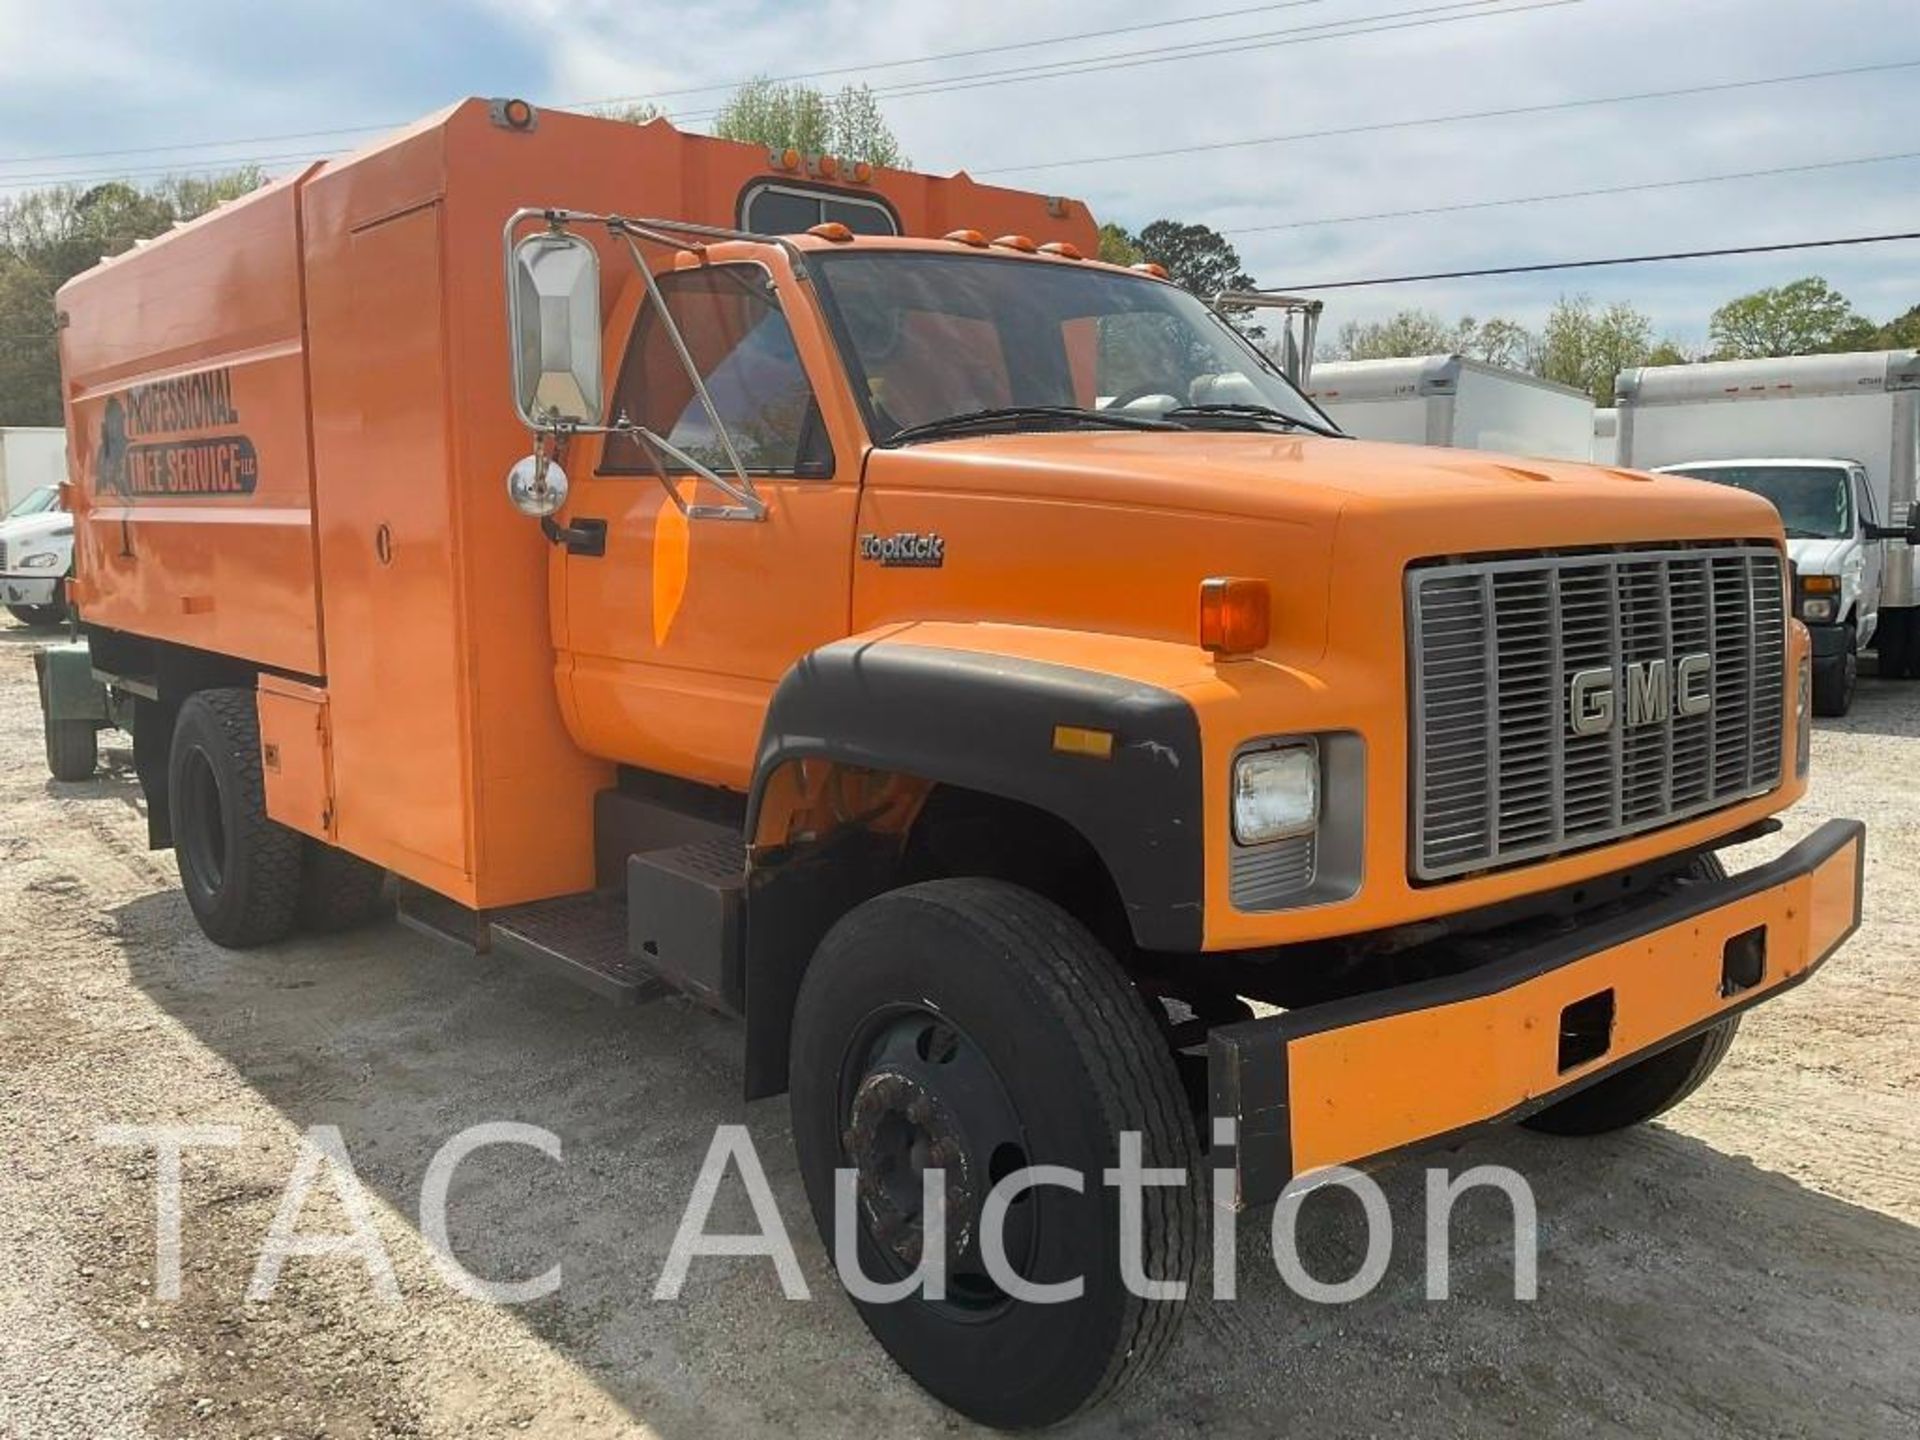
(113, 72)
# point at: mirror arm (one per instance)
(740, 490)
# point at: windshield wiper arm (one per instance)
(1265, 413)
(1793, 534)
(1004, 417)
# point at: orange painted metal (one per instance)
(296, 756)
(184, 371)
(1370, 1088)
(349, 326)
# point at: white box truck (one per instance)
(1833, 441)
(1454, 401)
(30, 456)
(1606, 436)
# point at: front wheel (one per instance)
(1836, 678)
(972, 1027)
(1652, 1086)
(38, 617)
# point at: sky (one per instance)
(89, 88)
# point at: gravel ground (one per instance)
(1750, 1266)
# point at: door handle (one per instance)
(585, 536)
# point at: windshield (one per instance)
(1815, 501)
(36, 502)
(929, 337)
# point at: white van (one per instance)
(36, 557)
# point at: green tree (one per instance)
(847, 124)
(1422, 332)
(1900, 333)
(1117, 247)
(1803, 317)
(49, 236)
(1585, 346)
(1198, 258)
(1672, 352)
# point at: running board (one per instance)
(582, 938)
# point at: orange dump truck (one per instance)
(973, 665)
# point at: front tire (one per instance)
(240, 870)
(975, 1022)
(1836, 679)
(337, 890)
(1654, 1085)
(38, 617)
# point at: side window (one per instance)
(744, 351)
(790, 209)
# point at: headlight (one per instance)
(45, 560)
(1276, 794)
(1816, 609)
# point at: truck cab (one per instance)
(36, 557)
(976, 668)
(1836, 538)
(1833, 442)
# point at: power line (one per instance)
(1577, 194)
(693, 90)
(968, 54)
(1419, 18)
(1506, 112)
(1658, 259)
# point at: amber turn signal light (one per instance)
(1235, 615)
(1820, 584)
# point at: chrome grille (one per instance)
(3, 555)
(1499, 774)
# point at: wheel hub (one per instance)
(898, 1130)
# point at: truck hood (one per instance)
(1446, 500)
(1820, 557)
(47, 526)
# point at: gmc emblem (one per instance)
(1656, 691)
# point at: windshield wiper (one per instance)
(1265, 414)
(1793, 534)
(1015, 417)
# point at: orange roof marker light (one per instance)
(1235, 615)
(966, 237)
(1151, 267)
(827, 166)
(862, 172)
(831, 230)
(516, 114)
(1061, 248)
(1022, 243)
(787, 159)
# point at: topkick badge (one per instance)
(136, 462)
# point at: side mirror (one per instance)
(1911, 534)
(553, 305)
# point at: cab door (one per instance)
(1866, 513)
(672, 640)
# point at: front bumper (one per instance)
(25, 590)
(1829, 641)
(1355, 1080)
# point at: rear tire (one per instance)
(1654, 1085)
(970, 1016)
(240, 870)
(73, 749)
(338, 891)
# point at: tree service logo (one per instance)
(136, 463)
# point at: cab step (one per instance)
(582, 938)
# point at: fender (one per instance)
(984, 721)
